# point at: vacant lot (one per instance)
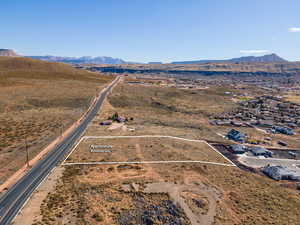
(38, 100)
(143, 149)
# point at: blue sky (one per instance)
(152, 30)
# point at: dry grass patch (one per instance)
(38, 100)
(293, 98)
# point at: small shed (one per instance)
(106, 122)
(282, 143)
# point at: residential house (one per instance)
(280, 173)
(236, 135)
(237, 149)
(261, 151)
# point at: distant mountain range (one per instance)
(266, 58)
(80, 60)
(70, 60)
(110, 60)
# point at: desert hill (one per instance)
(37, 101)
(27, 68)
(8, 52)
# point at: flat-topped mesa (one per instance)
(245, 59)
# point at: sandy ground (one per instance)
(31, 211)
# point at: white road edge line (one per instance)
(147, 136)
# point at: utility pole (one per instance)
(27, 154)
(61, 129)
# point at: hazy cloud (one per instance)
(254, 51)
(294, 29)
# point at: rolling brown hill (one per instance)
(15, 69)
(38, 100)
(28, 66)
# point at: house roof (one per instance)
(277, 172)
(234, 132)
(258, 150)
(237, 148)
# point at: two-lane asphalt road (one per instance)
(12, 201)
